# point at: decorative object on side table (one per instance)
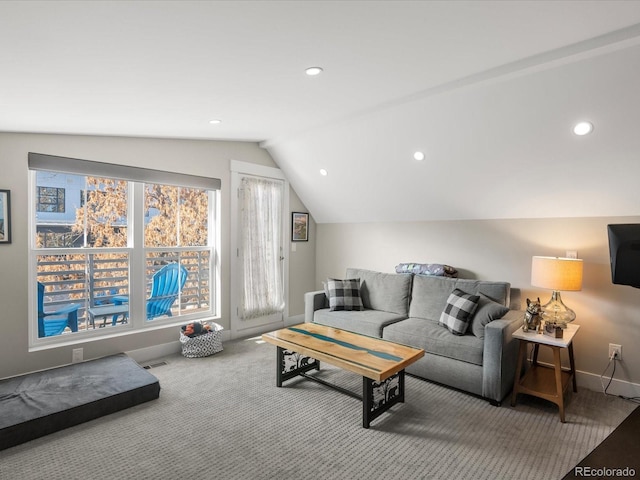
(556, 273)
(552, 330)
(533, 317)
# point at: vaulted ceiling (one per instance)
(488, 90)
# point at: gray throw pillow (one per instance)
(458, 310)
(487, 311)
(344, 294)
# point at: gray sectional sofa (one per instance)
(406, 309)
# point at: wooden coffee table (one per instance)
(380, 363)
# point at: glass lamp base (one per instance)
(556, 313)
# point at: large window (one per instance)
(127, 254)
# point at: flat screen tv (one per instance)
(624, 252)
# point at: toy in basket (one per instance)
(201, 339)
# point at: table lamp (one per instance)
(557, 274)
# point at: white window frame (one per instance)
(136, 250)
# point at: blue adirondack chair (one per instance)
(166, 285)
(53, 322)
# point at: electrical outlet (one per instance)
(615, 350)
(76, 355)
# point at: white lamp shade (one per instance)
(554, 273)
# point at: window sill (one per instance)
(77, 339)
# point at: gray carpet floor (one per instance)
(222, 417)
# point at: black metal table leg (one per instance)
(378, 397)
(292, 364)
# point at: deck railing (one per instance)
(94, 279)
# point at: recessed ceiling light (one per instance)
(583, 128)
(311, 71)
(418, 156)
(215, 121)
(323, 172)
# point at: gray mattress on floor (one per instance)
(41, 403)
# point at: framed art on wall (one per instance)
(299, 227)
(5, 217)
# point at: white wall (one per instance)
(502, 250)
(302, 262)
(206, 158)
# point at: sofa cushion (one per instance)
(429, 294)
(458, 310)
(432, 338)
(388, 292)
(344, 294)
(487, 311)
(366, 322)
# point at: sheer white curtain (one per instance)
(260, 240)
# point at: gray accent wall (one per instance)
(501, 250)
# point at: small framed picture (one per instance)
(5, 216)
(299, 227)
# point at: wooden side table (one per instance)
(542, 381)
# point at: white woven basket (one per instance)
(202, 345)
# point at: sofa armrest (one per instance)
(314, 301)
(500, 355)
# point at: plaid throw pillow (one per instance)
(458, 310)
(344, 294)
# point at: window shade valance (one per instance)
(52, 163)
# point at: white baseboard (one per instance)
(593, 382)
(143, 355)
(295, 320)
(256, 331)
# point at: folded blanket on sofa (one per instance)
(435, 269)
